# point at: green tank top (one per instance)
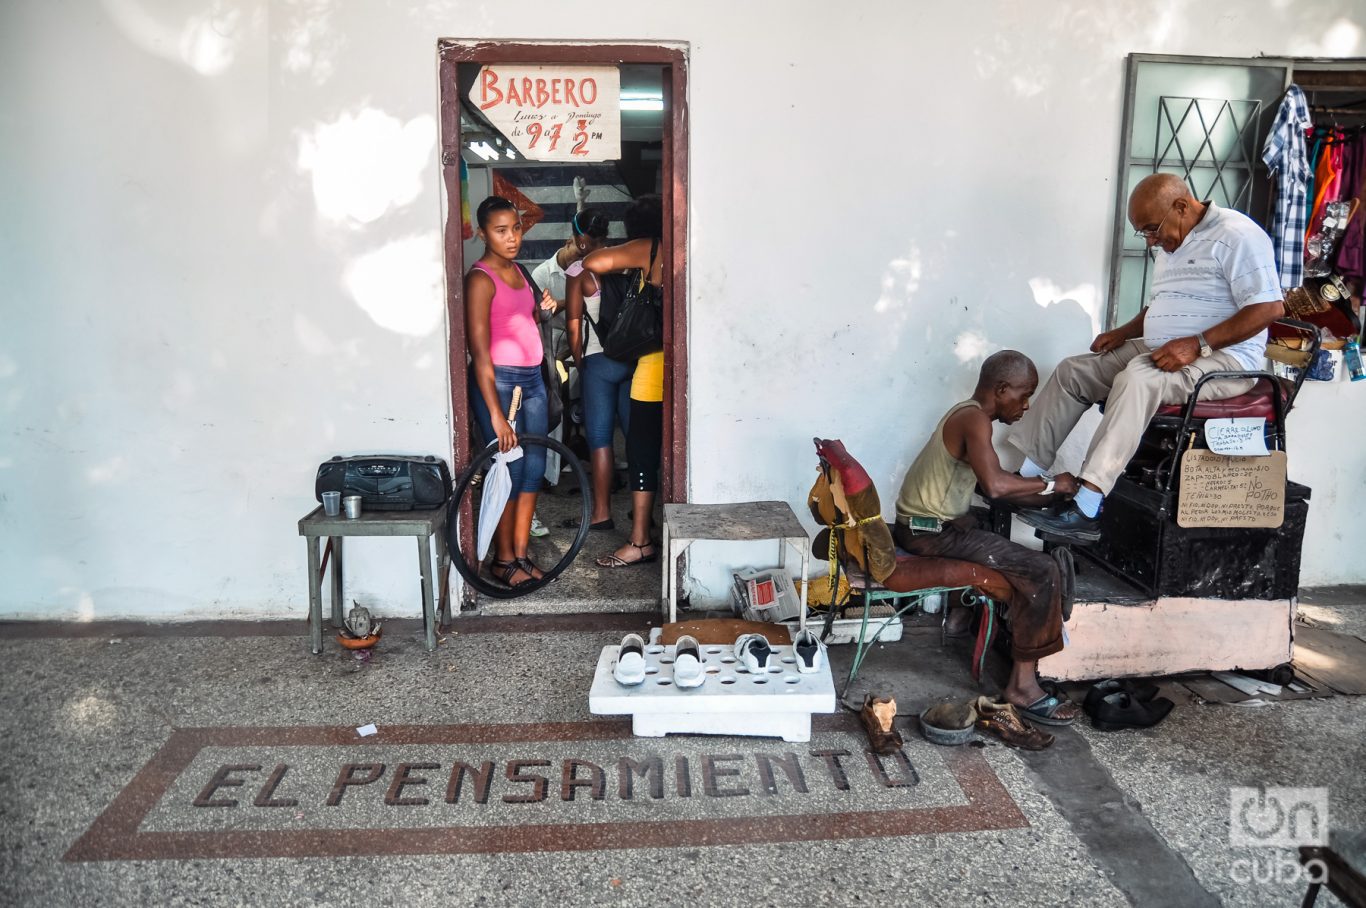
(937, 484)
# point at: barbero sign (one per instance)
(553, 113)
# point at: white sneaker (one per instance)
(753, 652)
(538, 529)
(630, 668)
(810, 652)
(688, 668)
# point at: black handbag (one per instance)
(638, 328)
(612, 290)
(550, 375)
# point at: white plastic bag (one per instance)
(497, 490)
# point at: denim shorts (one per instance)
(531, 419)
(606, 398)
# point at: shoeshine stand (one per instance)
(731, 701)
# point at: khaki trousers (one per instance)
(1132, 387)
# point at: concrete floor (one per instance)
(114, 731)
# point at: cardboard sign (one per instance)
(553, 113)
(1219, 491)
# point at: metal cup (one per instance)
(351, 503)
(332, 504)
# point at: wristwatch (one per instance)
(1048, 487)
(1205, 348)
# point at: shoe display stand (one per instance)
(732, 700)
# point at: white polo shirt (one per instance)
(1225, 263)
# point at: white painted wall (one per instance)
(220, 233)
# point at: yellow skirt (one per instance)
(647, 384)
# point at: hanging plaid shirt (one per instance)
(1284, 157)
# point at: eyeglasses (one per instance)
(1150, 233)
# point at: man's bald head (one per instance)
(1156, 193)
(1163, 211)
(1009, 367)
(1007, 380)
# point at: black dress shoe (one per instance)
(1120, 710)
(1071, 525)
(1141, 691)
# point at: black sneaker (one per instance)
(1069, 526)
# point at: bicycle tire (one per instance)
(481, 461)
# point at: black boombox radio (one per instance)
(387, 483)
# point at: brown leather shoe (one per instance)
(1001, 720)
(878, 714)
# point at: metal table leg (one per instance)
(336, 543)
(315, 594)
(443, 578)
(424, 563)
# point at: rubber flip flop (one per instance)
(1044, 709)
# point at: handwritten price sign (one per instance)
(1219, 491)
(554, 113)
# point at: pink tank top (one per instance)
(513, 337)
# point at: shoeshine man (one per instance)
(932, 520)
(1215, 291)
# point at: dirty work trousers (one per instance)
(1132, 388)
(1034, 609)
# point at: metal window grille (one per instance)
(1211, 143)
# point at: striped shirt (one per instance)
(1225, 263)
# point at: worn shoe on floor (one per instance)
(877, 715)
(810, 652)
(688, 668)
(1142, 691)
(1119, 710)
(1000, 720)
(630, 668)
(538, 529)
(753, 652)
(1070, 525)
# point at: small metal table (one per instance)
(749, 521)
(425, 525)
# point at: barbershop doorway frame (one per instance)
(451, 52)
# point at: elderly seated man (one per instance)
(932, 520)
(1215, 291)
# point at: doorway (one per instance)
(653, 159)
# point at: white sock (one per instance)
(1088, 500)
(1030, 469)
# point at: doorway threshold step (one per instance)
(545, 603)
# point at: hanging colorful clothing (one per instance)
(1284, 157)
(1351, 255)
(1325, 184)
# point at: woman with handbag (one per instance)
(591, 301)
(637, 331)
(588, 231)
(505, 353)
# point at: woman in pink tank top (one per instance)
(505, 353)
